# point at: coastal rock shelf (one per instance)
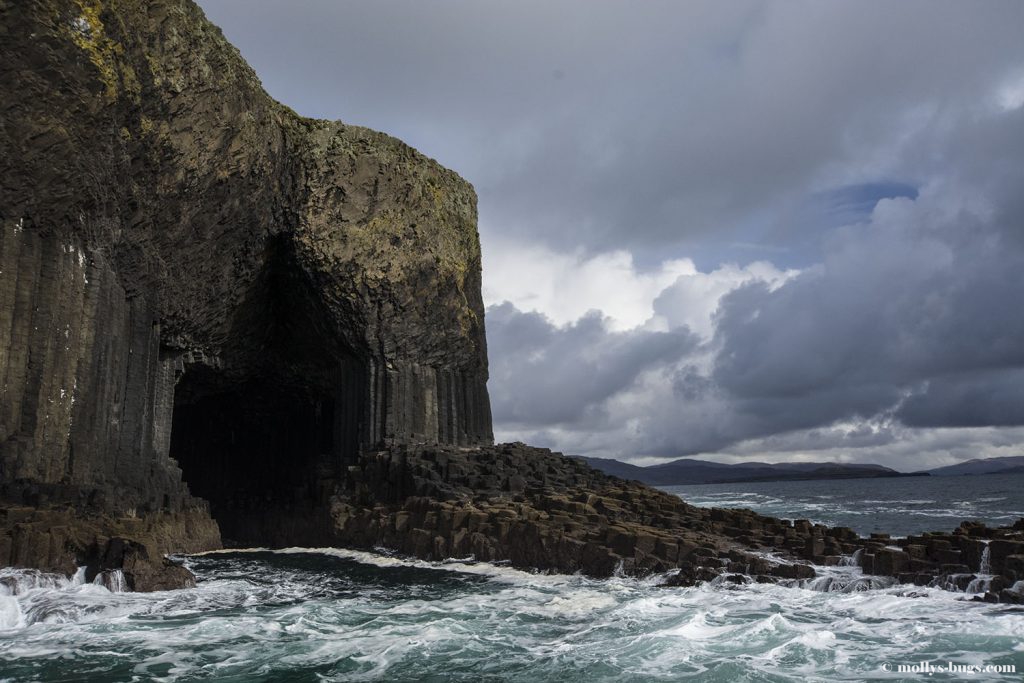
(532, 508)
(537, 509)
(972, 558)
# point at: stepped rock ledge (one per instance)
(222, 323)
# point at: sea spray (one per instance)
(113, 580)
(852, 560)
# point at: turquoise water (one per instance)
(336, 615)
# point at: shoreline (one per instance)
(538, 510)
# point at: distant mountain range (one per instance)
(1013, 464)
(694, 471)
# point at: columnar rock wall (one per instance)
(190, 269)
(87, 399)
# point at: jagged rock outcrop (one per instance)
(189, 269)
(973, 557)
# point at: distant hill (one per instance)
(1013, 464)
(694, 471)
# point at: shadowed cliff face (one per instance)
(189, 269)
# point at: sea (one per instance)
(305, 614)
(899, 506)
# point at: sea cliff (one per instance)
(224, 323)
(195, 279)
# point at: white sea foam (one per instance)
(487, 569)
(351, 615)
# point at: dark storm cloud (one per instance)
(607, 124)
(922, 324)
(981, 400)
(548, 375)
(928, 289)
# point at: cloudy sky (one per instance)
(743, 230)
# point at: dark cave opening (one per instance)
(253, 449)
(265, 435)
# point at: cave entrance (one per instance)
(256, 452)
(265, 435)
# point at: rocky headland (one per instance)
(224, 323)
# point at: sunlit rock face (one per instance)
(203, 296)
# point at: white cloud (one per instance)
(565, 286)
(693, 298)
